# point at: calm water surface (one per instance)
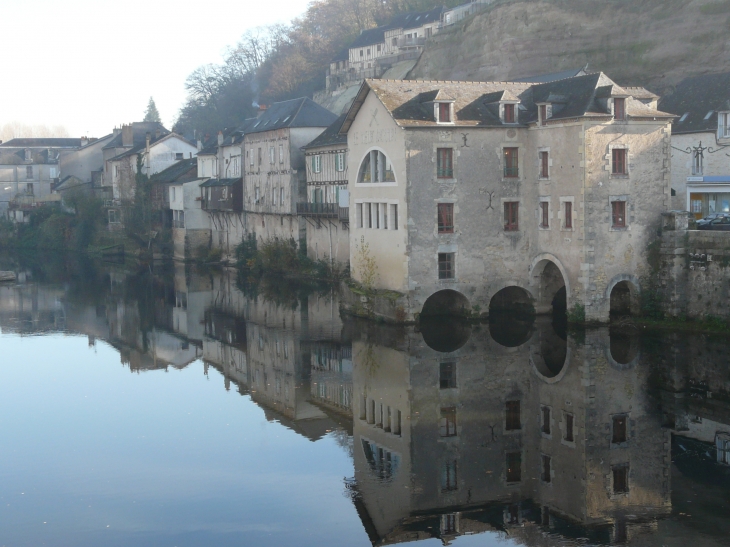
(172, 406)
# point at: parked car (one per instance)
(721, 223)
(709, 218)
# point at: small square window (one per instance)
(620, 432)
(621, 479)
(447, 375)
(446, 265)
(178, 155)
(511, 220)
(447, 426)
(512, 422)
(445, 163)
(514, 466)
(544, 214)
(618, 214)
(511, 169)
(509, 113)
(618, 162)
(619, 109)
(445, 218)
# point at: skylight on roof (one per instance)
(285, 119)
(684, 117)
(257, 124)
(709, 114)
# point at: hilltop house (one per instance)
(326, 205)
(700, 141)
(377, 49)
(29, 171)
(274, 167)
(499, 194)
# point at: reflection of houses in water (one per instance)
(280, 355)
(493, 437)
(30, 308)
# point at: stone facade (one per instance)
(541, 168)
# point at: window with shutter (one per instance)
(618, 161)
(444, 113)
(446, 218)
(509, 113)
(619, 109)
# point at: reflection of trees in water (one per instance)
(444, 335)
(282, 290)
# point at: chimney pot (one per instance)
(220, 137)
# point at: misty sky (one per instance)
(92, 64)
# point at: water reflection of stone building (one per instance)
(488, 437)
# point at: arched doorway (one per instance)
(446, 303)
(624, 299)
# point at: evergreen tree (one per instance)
(152, 114)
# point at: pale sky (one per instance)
(92, 64)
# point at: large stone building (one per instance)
(542, 194)
(326, 204)
(274, 176)
(700, 141)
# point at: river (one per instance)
(168, 405)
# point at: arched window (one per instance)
(376, 167)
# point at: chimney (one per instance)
(84, 141)
(127, 136)
(220, 138)
(262, 110)
(200, 145)
(147, 142)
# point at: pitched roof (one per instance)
(42, 143)
(700, 97)
(404, 20)
(476, 102)
(182, 171)
(553, 76)
(330, 136)
(139, 147)
(220, 182)
(139, 133)
(302, 112)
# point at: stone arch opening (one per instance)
(623, 349)
(511, 316)
(444, 336)
(552, 294)
(624, 299)
(512, 300)
(446, 303)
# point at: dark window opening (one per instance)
(569, 428)
(619, 109)
(511, 169)
(543, 114)
(446, 265)
(445, 163)
(511, 223)
(545, 476)
(448, 422)
(618, 161)
(568, 214)
(514, 466)
(545, 420)
(513, 416)
(446, 218)
(544, 165)
(620, 432)
(618, 214)
(447, 375)
(621, 479)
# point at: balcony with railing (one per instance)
(324, 210)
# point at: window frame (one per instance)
(543, 113)
(618, 218)
(513, 415)
(544, 165)
(510, 108)
(619, 162)
(620, 471)
(569, 431)
(444, 108)
(511, 216)
(545, 214)
(568, 215)
(444, 155)
(447, 422)
(511, 159)
(619, 113)
(546, 468)
(445, 218)
(697, 162)
(512, 459)
(619, 435)
(340, 162)
(446, 266)
(546, 415)
(447, 375)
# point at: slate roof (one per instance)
(554, 76)
(302, 112)
(182, 171)
(16, 156)
(697, 97)
(330, 136)
(476, 103)
(220, 182)
(405, 21)
(42, 143)
(139, 147)
(139, 134)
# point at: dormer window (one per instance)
(545, 112)
(28, 156)
(509, 113)
(723, 125)
(444, 112)
(619, 109)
